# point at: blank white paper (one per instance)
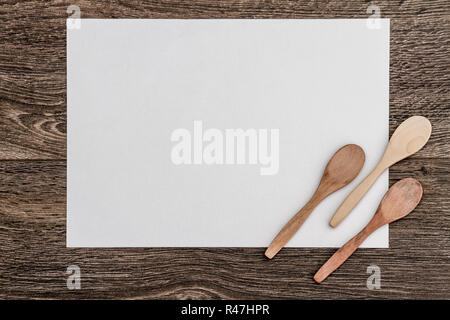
(130, 83)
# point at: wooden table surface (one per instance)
(33, 256)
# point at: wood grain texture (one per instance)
(33, 257)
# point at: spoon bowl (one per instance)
(409, 137)
(402, 198)
(343, 167)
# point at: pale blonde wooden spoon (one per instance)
(402, 198)
(409, 137)
(342, 168)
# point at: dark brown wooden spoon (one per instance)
(342, 168)
(402, 198)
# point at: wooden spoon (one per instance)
(410, 136)
(342, 168)
(398, 201)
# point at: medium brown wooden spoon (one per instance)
(342, 168)
(402, 198)
(409, 137)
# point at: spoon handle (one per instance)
(339, 257)
(291, 227)
(356, 195)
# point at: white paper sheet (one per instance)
(131, 83)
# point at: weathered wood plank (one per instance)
(33, 257)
